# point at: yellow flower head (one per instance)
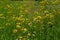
(24, 29)
(17, 26)
(20, 19)
(50, 23)
(47, 15)
(55, 1)
(30, 24)
(29, 34)
(17, 39)
(21, 15)
(10, 6)
(1, 14)
(18, 23)
(36, 12)
(33, 34)
(20, 37)
(59, 12)
(46, 11)
(51, 15)
(7, 24)
(44, 2)
(15, 30)
(26, 10)
(37, 18)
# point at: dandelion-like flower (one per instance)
(37, 18)
(24, 29)
(30, 24)
(15, 30)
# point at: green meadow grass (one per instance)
(30, 20)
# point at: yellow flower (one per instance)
(30, 24)
(24, 29)
(23, 38)
(51, 15)
(44, 2)
(1, 14)
(20, 19)
(50, 23)
(27, 20)
(20, 37)
(33, 34)
(18, 23)
(42, 7)
(59, 12)
(17, 26)
(36, 12)
(7, 24)
(17, 39)
(26, 11)
(37, 18)
(46, 11)
(17, 18)
(21, 11)
(10, 6)
(47, 15)
(55, 2)
(15, 30)
(29, 34)
(21, 15)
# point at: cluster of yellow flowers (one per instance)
(28, 21)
